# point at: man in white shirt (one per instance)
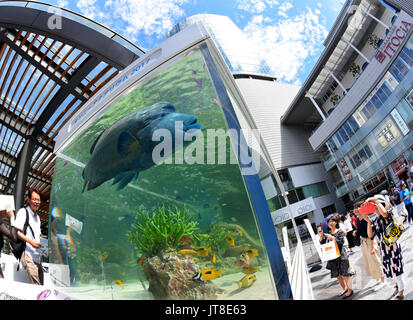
(31, 259)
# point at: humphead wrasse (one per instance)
(125, 148)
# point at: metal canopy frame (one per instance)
(46, 76)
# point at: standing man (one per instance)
(31, 258)
(405, 196)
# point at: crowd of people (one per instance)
(376, 233)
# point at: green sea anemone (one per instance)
(161, 230)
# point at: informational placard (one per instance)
(73, 223)
(6, 200)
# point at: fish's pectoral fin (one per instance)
(123, 179)
(127, 143)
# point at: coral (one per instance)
(161, 230)
(171, 277)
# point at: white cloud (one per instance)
(287, 44)
(133, 17)
(62, 3)
(151, 17)
(88, 9)
(284, 8)
(256, 6)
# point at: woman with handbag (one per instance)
(382, 228)
(340, 266)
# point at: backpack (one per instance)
(19, 246)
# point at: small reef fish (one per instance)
(203, 251)
(247, 281)
(239, 232)
(250, 269)
(140, 260)
(103, 256)
(230, 240)
(120, 283)
(65, 164)
(215, 100)
(208, 274)
(125, 148)
(185, 239)
(198, 82)
(243, 262)
(213, 258)
(251, 252)
(188, 252)
(186, 246)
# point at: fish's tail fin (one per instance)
(219, 272)
(239, 283)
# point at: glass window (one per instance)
(368, 151)
(329, 210)
(292, 197)
(300, 193)
(315, 190)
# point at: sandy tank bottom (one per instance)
(262, 289)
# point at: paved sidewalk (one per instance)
(366, 288)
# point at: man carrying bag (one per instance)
(28, 225)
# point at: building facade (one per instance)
(309, 187)
(360, 93)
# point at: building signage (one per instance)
(299, 208)
(387, 134)
(409, 98)
(395, 37)
(400, 122)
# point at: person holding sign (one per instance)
(9, 232)
(391, 252)
(340, 266)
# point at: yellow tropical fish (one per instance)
(230, 240)
(247, 281)
(209, 274)
(250, 269)
(213, 258)
(202, 251)
(120, 283)
(251, 252)
(103, 256)
(187, 252)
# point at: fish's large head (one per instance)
(180, 126)
(183, 127)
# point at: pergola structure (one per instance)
(51, 62)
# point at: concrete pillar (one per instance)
(335, 78)
(308, 95)
(374, 18)
(23, 167)
(357, 50)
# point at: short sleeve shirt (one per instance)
(406, 193)
(34, 222)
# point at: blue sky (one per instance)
(289, 34)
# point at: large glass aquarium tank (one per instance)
(139, 207)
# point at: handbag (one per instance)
(330, 250)
(393, 233)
